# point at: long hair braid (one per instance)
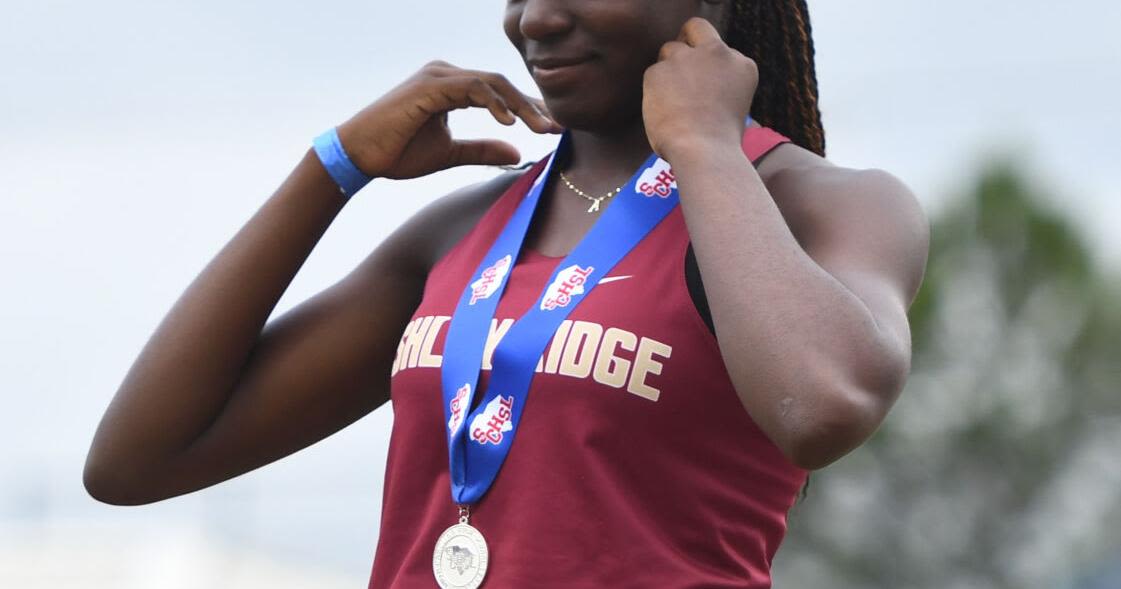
(777, 35)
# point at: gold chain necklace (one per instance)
(595, 199)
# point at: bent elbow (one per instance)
(814, 453)
(849, 413)
(844, 424)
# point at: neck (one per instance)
(607, 157)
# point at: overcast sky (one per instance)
(137, 137)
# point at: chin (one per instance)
(588, 112)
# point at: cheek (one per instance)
(635, 41)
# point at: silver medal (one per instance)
(460, 558)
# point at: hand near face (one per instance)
(700, 90)
(405, 133)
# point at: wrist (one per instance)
(347, 176)
(696, 147)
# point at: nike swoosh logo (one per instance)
(614, 278)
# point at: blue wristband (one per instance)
(347, 175)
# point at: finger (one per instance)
(697, 31)
(438, 65)
(489, 152)
(499, 109)
(531, 111)
(518, 102)
(543, 108)
(468, 91)
(670, 48)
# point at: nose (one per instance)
(542, 19)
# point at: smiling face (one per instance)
(588, 56)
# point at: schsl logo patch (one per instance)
(458, 408)
(657, 180)
(488, 426)
(491, 277)
(568, 283)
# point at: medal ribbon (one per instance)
(479, 440)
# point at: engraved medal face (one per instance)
(460, 558)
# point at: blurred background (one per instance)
(137, 137)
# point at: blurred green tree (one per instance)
(999, 465)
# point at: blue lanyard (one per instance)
(479, 441)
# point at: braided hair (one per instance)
(777, 35)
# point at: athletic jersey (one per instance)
(635, 464)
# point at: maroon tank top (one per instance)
(635, 463)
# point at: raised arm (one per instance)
(808, 278)
(215, 392)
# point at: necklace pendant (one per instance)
(595, 206)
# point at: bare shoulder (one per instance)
(837, 212)
(426, 236)
(805, 181)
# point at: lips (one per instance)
(556, 61)
(558, 71)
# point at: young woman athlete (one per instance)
(756, 332)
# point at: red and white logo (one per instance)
(488, 426)
(488, 282)
(568, 283)
(657, 180)
(458, 408)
